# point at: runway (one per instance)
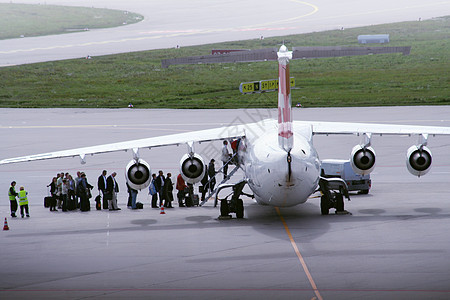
(393, 246)
(172, 23)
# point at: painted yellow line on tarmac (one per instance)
(299, 255)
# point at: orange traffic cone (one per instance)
(6, 227)
(162, 211)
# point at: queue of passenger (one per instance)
(68, 193)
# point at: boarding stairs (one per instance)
(232, 160)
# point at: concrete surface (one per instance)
(393, 246)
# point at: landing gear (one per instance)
(332, 199)
(235, 205)
(231, 206)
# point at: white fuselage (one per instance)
(267, 169)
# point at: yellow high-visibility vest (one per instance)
(23, 199)
(11, 196)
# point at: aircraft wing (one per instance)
(220, 133)
(375, 129)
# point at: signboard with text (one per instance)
(262, 86)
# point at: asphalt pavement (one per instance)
(392, 246)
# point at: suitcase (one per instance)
(85, 206)
(72, 205)
(196, 200)
(48, 201)
(98, 202)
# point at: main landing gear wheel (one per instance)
(240, 209)
(224, 209)
(324, 205)
(339, 203)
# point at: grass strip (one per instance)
(114, 81)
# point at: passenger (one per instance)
(53, 193)
(12, 199)
(112, 189)
(189, 200)
(212, 175)
(225, 158)
(59, 187)
(83, 192)
(234, 145)
(204, 183)
(181, 187)
(23, 202)
(132, 194)
(72, 201)
(152, 191)
(168, 191)
(77, 181)
(64, 194)
(159, 184)
(101, 185)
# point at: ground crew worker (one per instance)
(12, 199)
(23, 201)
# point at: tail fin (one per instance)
(285, 134)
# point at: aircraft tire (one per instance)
(339, 202)
(224, 209)
(324, 205)
(240, 209)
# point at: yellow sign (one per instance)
(249, 87)
(262, 86)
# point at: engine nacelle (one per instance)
(192, 168)
(362, 159)
(138, 174)
(418, 160)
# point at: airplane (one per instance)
(280, 163)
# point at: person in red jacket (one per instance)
(181, 186)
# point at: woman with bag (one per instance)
(152, 192)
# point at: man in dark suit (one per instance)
(101, 185)
(112, 188)
(159, 184)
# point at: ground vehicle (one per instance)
(338, 168)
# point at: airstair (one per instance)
(232, 160)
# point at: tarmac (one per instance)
(181, 23)
(392, 246)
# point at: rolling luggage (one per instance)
(48, 201)
(85, 205)
(196, 200)
(98, 202)
(72, 204)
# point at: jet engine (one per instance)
(418, 160)
(192, 168)
(138, 174)
(362, 159)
